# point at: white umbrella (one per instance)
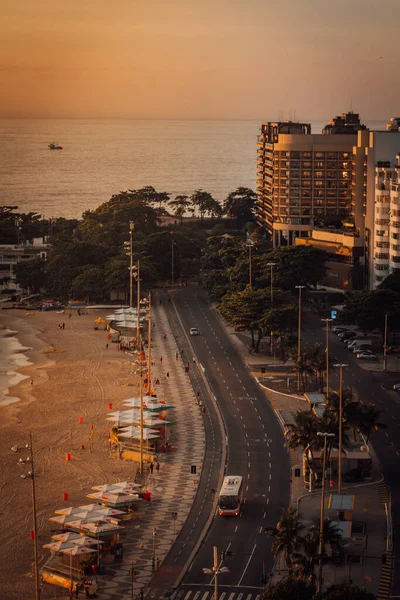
(67, 535)
(135, 429)
(87, 508)
(120, 484)
(113, 499)
(78, 550)
(151, 421)
(136, 435)
(58, 546)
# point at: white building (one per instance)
(12, 254)
(386, 253)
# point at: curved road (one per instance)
(255, 451)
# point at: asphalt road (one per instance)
(370, 387)
(255, 451)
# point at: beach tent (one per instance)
(151, 421)
(72, 520)
(78, 550)
(113, 499)
(76, 538)
(118, 484)
(67, 535)
(134, 433)
(107, 512)
(151, 405)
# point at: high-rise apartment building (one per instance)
(304, 179)
(386, 255)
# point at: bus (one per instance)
(230, 496)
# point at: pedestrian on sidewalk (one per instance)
(165, 336)
(157, 467)
(160, 358)
(212, 494)
(198, 395)
(181, 352)
(194, 360)
(176, 355)
(204, 410)
(167, 374)
(151, 468)
(106, 346)
(188, 366)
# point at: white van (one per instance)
(358, 342)
(366, 344)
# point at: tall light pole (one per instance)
(299, 287)
(272, 265)
(131, 226)
(385, 343)
(250, 245)
(322, 509)
(172, 263)
(149, 345)
(216, 570)
(31, 475)
(327, 321)
(340, 365)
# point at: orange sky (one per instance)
(198, 58)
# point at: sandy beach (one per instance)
(75, 383)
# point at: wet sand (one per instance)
(60, 389)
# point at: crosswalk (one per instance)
(201, 595)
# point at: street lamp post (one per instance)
(154, 547)
(216, 571)
(385, 344)
(149, 346)
(327, 321)
(340, 365)
(322, 508)
(172, 263)
(250, 245)
(299, 287)
(31, 476)
(131, 226)
(272, 265)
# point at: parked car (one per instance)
(341, 330)
(347, 335)
(366, 356)
(338, 329)
(361, 348)
(194, 331)
(396, 387)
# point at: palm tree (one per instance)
(318, 362)
(181, 204)
(304, 561)
(287, 536)
(303, 368)
(370, 420)
(303, 432)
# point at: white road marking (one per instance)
(247, 564)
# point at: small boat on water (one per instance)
(55, 146)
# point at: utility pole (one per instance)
(172, 263)
(385, 344)
(250, 245)
(322, 509)
(131, 227)
(149, 347)
(31, 475)
(299, 287)
(340, 365)
(216, 571)
(272, 265)
(327, 321)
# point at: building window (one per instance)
(394, 246)
(381, 267)
(383, 245)
(382, 256)
(319, 155)
(395, 259)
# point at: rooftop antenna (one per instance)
(351, 104)
(294, 115)
(290, 114)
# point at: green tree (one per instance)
(304, 562)
(367, 309)
(287, 536)
(205, 204)
(89, 284)
(318, 363)
(288, 589)
(345, 591)
(244, 310)
(370, 416)
(31, 275)
(181, 204)
(241, 206)
(296, 265)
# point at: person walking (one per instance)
(176, 355)
(160, 358)
(106, 346)
(167, 374)
(204, 410)
(151, 468)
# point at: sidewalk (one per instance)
(370, 523)
(173, 490)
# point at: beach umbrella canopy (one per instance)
(137, 436)
(118, 485)
(57, 546)
(150, 421)
(73, 510)
(113, 499)
(67, 520)
(67, 535)
(78, 550)
(99, 528)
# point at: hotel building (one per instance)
(304, 179)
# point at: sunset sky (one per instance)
(239, 59)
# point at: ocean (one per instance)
(103, 157)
